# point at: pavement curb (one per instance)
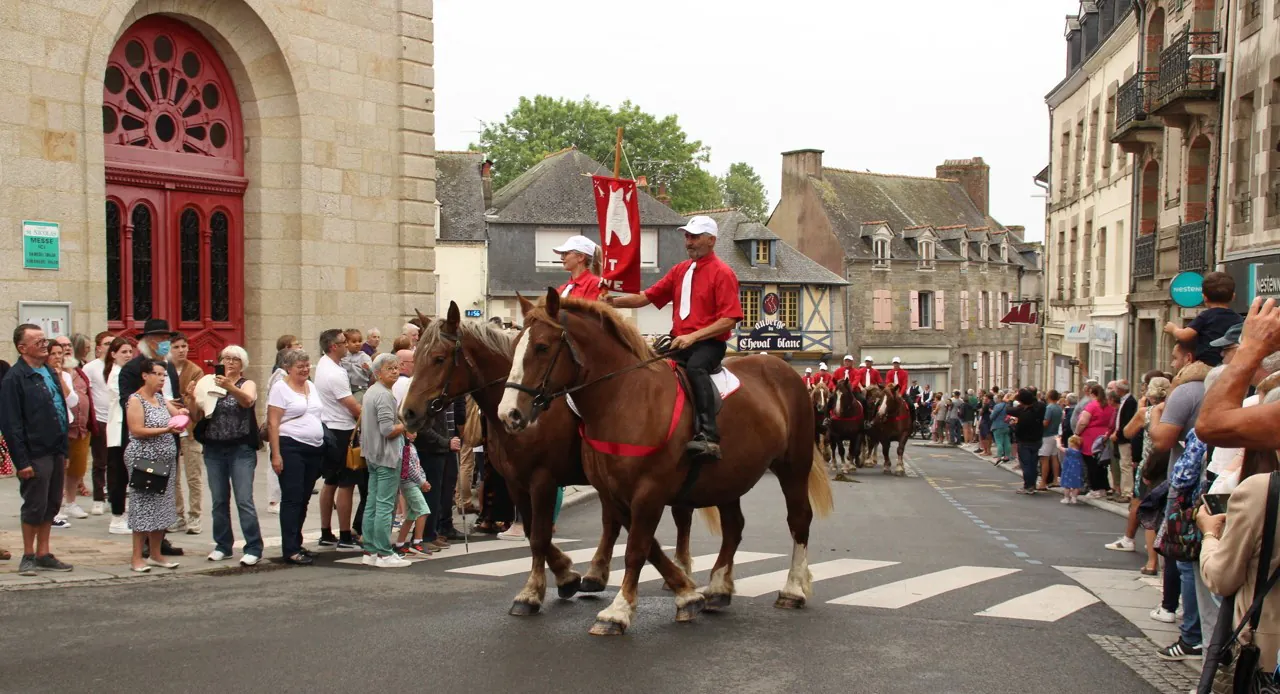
(577, 495)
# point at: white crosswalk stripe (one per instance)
(755, 586)
(521, 565)
(912, 590)
(461, 550)
(1045, 605)
(702, 562)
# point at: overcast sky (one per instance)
(886, 85)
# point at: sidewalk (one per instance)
(98, 555)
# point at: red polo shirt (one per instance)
(713, 295)
(844, 372)
(898, 376)
(826, 378)
(860, 376)
(585, 286)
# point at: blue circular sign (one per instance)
(1187, 289)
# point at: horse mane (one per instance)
(612, 321)
(489, 336)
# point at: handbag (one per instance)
(354, 461)
(1231, 667)
(1180, 538)
(151, 476)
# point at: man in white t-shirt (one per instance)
(101, 406)
(339, 413)
(401, 387)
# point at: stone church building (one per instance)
(241, 168)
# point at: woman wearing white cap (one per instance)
(582, 258)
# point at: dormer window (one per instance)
(927, 254)
(880, 249)
(1004, 252)
(763, 253)
(985, 252)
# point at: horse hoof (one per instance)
(786, 602)
(717, 601)
(524, 609)
(569, 589)
(888, 470)
(691, 609)
(899, 473)
(666, 587)
(591, 584)
(603, 628)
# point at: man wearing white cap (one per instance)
(581, 258)
(705, 308)
(825, 377)
(898, 376)
(867, 375)
(846, 369)
(809, 378)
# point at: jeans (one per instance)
(1210, 605)
(448, 481)
(1028, 460)
(228, 467)
(1190, 628)
(384, 484)
(298, 477)
(433, 466)
(957, 430)
(1003, 447)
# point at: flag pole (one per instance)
(617, 155)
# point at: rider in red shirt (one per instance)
(703, 292)
(809, 379)
(846, 369)
(581, 257)
(824, 377)
(898, 376)
(867, 375)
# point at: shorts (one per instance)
(42, 493)
(335, 472)
(1049, 446)
(415, 505)
(78, 457)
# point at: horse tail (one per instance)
(820, 488)
(711, 516)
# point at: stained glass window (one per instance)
(220, 267)
(189, 240)
(114, 270)
(141, 220)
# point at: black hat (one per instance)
(155, 326)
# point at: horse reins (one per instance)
(441, 401)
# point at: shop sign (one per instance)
(768, 336)
(771, 304)
(1078, 333)
(1187, 289)
(40, 245)
(1264, 281)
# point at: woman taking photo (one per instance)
(297, 448)
(229, 435)
(153, 444)
(581, 257)
(118, 354)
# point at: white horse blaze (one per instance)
(516, 376)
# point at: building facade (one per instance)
(930, 273)
(240, 168)
(464, 190)
(1089, 230)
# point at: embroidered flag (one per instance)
(618, 212)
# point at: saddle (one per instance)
(725, 381)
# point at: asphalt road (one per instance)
(342, 627)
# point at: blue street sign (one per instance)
(474, 313)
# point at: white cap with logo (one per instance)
(580, 244)
(897, 360)
(700, 225)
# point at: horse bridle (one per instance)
(441, 401)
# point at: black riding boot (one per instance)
(706, 442)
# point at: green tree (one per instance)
(657, 148)
(741, 188)
(699, 191)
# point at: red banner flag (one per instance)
(618, 211)
(1022, 314)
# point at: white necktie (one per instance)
(686, 291)
(868, 378)
(567, 288)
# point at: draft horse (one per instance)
(455, 358)
(819, 396)
(636, 424)
(890, 422)
(845, 427)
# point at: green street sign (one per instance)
(40, 245)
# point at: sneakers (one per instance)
(514, 533)
(369, 560)
(74, 511)
(218, 555)
(49, 562)
(1124, 544)
(119, 526)
(1180, 650)
(273, 507)
(439, 543)
(60, 521)
(194, 528)
(180, 526)
(347, 542)
(327, 538)
(27, 567)
(392, 561)
(98, 508)
(1162, 615)
(1065, 500)
(419, 549)
(250, 560)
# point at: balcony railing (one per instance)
(1191, 243)
(1133, 100)
(1180, 76)
(1144, 256)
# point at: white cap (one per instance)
(822, 366)
(848, 357)
(580, 244)
(808, 370)
(897, 360)
(699, 225)
(868, 359)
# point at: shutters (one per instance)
(964, 309)
(939, 303)
(882, 310)
(915, 309)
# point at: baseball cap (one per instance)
(822, 366)
(848, 357)
(701, 224)
(1231, 338)
(897, 360)
(868, 359)
(808, 370)
(580, 244)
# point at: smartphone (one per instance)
(1217, 503)
(219, 370)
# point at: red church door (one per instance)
(175, 187)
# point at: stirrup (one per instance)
(701, 447)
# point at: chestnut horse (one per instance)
(636, 423)
(819, 396)
(845, 427)
(455, 358)
(890, 421)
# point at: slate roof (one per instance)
(460, 192)
(790, 265)
(557, 191)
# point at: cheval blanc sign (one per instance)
(769, 336)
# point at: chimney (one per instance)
(662, 196)
(486, 182)
(974, 176)
(797, 166)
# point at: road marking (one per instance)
(702, 562)
(755, 586)
(909, 591)
(1045, 605)
(460, 549)
(520, 565)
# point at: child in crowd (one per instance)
(1072, 471)
(359, 365)
(1218, 291)
(413, 482)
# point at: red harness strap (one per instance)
(834, 418)
(631, 450)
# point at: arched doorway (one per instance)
(175, 187)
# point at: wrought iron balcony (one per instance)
(1144, 256)
(1191, 246)
(1134, 127)
(1185, 84)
